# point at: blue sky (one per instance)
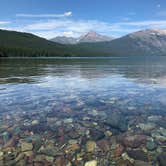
(50, 18)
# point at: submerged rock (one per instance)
(147, 126)
(151, 145)
(91, 163)
(141, 163)
(117, 121)
(133, 141)
(90, 146)
(162, 159)
(96, 134)
(26, 146)
(138, 155)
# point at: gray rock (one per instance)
(116, 120)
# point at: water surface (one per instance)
(50, 98)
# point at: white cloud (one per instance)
(78, 27)
(50, 28)
(158, 23)
(66, 14)
(4, 22)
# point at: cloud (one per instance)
(70, 27)
(49, 28)
(4, 22)
(66, 14)
(148, 23)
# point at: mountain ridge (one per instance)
(89, 37)
(147, 42)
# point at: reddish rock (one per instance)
(124, 163)
(118, 151)
(133, 141)
(61, 134)
(60, 161)
(104, 145)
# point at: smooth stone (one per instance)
(133, 141)
(26, 146)
(20, 157)
(138, 155)
(35, 122)
(91, 163)
(90, 146)
(117, 121)
(69, 120)
(151, 145)
(96, 134)
(162, 159)
(125, 156)
(49, 151)
(5, 136)
(104, 145)
(162, 131)
(146, 127)
(49, 158)
(154, 118)
(141, 163)
(72, 148)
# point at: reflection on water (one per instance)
(105, 111)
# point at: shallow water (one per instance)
(69, 105)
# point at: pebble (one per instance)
(90, 146)
(91, 163)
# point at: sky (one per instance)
(51, 18)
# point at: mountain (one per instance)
(21, 44)
(90, 37)
(64, 40)
(144, 42)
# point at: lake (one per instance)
(80, 111)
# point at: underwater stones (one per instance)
(35, 122)
(5, 136)
(154, 118)
(26, 146)
(125, 157)
(96, 134)
(118, 150)
(108, 133)
(72, 141)
(72, 148)
(117, 121)
(146, 127)
(68, 120)
(137, 155)
(133, 141)
(122, 162)
(104, 145)
(162, 123)
(150, 145)
(60, 161)
(91, 163)
(162, 131)
(141, 163)
(19, 157)
(50, 151)
(162, 159)
(90, 146)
